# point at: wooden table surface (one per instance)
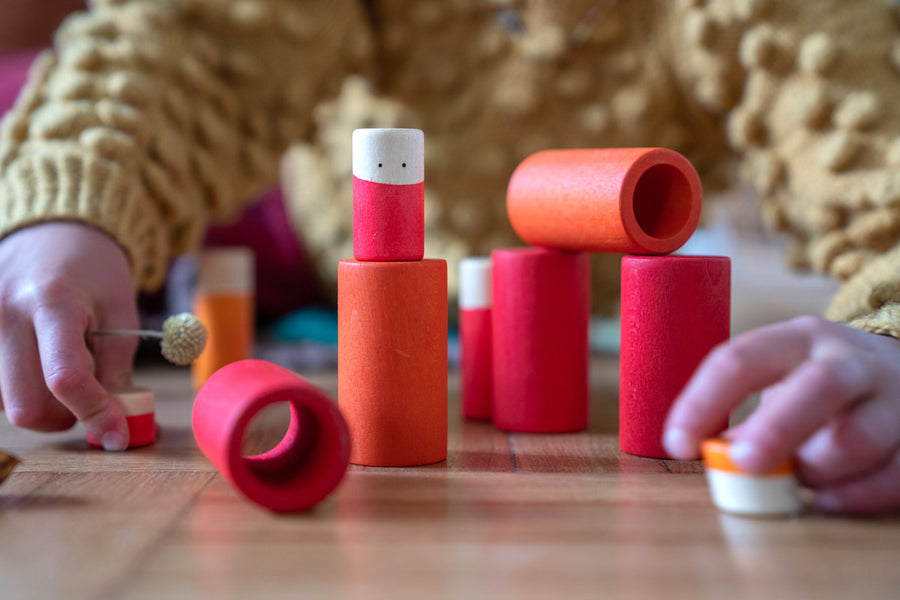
(506, 516)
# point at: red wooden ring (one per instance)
(304, 468)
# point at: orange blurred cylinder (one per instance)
(392, 360)
(224, 303)
(621, 200)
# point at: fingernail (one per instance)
(818, 448)
(678, 443)
(113, 441)
(829, 502)
(745, 455)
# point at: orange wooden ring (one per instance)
(621, 200)
(392, 360)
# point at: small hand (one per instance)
(57, 281)
(830, 397)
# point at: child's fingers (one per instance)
(27, 401)
(810, 396)
(853, 444)
(114, 357)
(114, 354)
(67, 370)
(730, 373)
(876, 492)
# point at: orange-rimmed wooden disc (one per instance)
(716, 456)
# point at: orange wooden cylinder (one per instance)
(392, 360)
(230, 331)
(224, 303)
(621, 200)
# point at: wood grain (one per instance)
(506, 516)
(8, 463)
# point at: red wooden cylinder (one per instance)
(622, 200)
(675, 309)
(304, 468)
(139, 406)
(540, 325)
(388, 221)
(388, 194)
(476, 381)
(392, 360)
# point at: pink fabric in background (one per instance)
(284, 276)
(13, 73)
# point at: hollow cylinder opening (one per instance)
(662, 201)
(296, 453)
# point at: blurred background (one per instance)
(513, 50)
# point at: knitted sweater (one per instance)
(152, 117)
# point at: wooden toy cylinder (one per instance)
(308, 463)
(139, 405)
(392, 360)
(224, 303)
(476, 382)
(388, 194)
(735, 491)
(675, 309)
(540, 326)
(621, 200)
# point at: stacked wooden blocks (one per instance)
(644, 202)
(392, 310)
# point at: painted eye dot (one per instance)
(379, 165)
(404, 165)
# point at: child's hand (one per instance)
(831, 396)
(57, 281)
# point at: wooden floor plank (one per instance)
(478, 446)
(18, 487)
(77, 532)
(507, 515)
(450, 535)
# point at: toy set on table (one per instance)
(524, 315)
(183, 339)
(392, 310)
(568, 203)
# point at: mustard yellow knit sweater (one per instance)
(150, 118)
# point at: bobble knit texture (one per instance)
(152, 117)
